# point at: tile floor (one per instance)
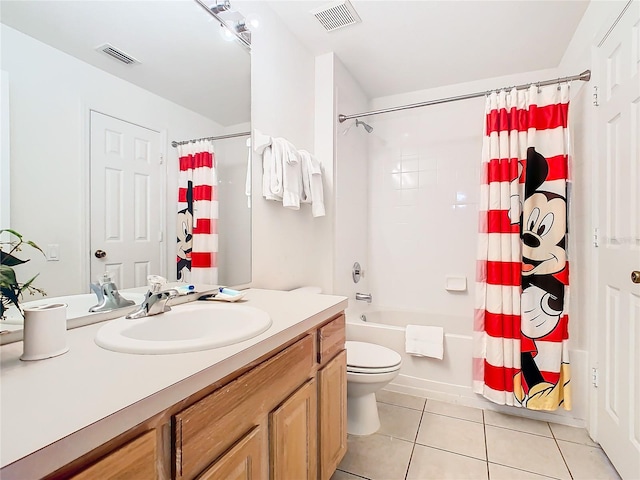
(422, 439)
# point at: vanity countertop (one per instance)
(75, 402)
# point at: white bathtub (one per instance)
(448, 379)
(422, 376)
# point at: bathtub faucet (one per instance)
(364, 296)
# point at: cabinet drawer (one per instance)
(136, 459)
(247, 459)
(331, 338)
(209, 427)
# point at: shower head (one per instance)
(368, 128)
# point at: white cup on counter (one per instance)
(45, 331)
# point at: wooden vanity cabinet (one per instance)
(134, 459)
(247, 460)
(210, 427)
(332, 425)
(282, 419)
(293, 436)
(332, 396)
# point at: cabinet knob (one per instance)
(635, 276)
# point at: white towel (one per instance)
(424, 341)
(312, 183)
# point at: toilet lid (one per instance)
(362, 355)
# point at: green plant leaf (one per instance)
(10, 294)
(10, 260)
(28, 284)
(7, 276)
(12, 232)
(29, 242)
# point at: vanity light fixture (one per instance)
(229, 29)
(221, 6)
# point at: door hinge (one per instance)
(595, 238)
(595, 96)
(161, 159)
(594, 377)
(160, 236)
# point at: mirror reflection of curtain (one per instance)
(197, 221)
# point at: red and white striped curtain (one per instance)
(522, 290)
(197, 214)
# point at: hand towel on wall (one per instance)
(281, 173)
(424, 341)
(312, 191)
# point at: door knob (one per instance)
(100, 254)
(635, 276)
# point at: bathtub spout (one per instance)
(364, 296)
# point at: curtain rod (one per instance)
(220, 137)
(584, 76)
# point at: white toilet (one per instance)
(369, 368)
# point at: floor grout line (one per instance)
(415, 439)
(354, 474)
(523, 470)
(486, 448)
(560, 450)
(519, 431)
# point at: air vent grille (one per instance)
(117, 54)
(336, 15)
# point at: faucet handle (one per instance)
(156, 282)
(104, 278)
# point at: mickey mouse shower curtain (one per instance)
(522, 285)
(197, 214)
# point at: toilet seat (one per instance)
(371, 371)
(369, 358)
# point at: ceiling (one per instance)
(403, 46)
(183, 57)
(400, 46)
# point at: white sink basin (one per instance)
(77, 305)
(186, 328)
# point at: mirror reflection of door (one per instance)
(126, 206)
(618, 252)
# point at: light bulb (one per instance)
(226, 34)
(252, 21)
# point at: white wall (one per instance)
(51, 93)
(351, 186)
(234, 263)
(289, 247)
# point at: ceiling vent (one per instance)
(117, 54)
(336, 15)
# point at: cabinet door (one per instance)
(333, 414)
(136, 459)
(247, 459)
(293, 436)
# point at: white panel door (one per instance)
(618, 159)
(126, 203)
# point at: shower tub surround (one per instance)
(449, 379)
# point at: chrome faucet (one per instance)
(108, 296)
(364, 296)
(155, 301)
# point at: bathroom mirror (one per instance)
(175, 76)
